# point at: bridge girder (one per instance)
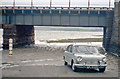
(89, 18)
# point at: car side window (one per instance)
(68, 48)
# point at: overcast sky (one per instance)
(59, 3)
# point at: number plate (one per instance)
(91, 67)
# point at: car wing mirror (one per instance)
(73, 53)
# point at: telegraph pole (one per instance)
(69, 4)
(50, 4)
(109, 3)
(32, 3)
(14, 4)
(88, 4)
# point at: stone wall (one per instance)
(21, 34)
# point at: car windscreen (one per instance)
(85, 49)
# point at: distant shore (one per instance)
(76, 40)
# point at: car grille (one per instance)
(89, 63)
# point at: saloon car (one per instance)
(85, 57)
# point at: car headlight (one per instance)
(104, 59)
(79, 58)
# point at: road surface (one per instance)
(48, 62)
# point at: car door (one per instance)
(70, 54)
(66, 54)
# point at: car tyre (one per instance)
(102, 69)
(65, 63)
(73, 67)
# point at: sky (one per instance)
(58, 3)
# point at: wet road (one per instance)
(48, 62)
(53, 71)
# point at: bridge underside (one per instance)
(54, 17)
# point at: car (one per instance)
(84, 57)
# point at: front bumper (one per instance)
(90, 66)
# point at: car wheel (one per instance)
(101, 69)
(73, 67)
(65, 63)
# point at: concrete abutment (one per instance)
(112, 32)
(115, 38)
(108, 30)
(21, 34)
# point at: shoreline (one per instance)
(75, 40)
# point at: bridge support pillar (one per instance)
(115, 38)
(108, 30)
(112, 39)
(21, 34)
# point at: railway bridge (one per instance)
(18, 22)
